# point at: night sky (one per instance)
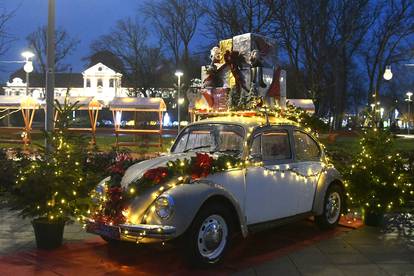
(84, 19)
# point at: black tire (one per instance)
(110, 241)
(193, 245)
(326, 220)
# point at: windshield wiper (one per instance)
(235, 151)
(199, 147)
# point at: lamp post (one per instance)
(179, 74)
(28, 67)
(387, 73)
(409, 100)
(50, 70)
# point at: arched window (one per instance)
(99, 83)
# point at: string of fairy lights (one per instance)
(364, 159)
(279, 170)
(58, 206)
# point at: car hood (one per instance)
(139, 205)
(136, 171)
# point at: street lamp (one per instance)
(387, 74)
(28, 67)
(179, 74)
(409, 100)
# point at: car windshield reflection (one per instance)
(211, 138)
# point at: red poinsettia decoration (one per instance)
(202, 165)
(156, 175)
(122, 160)
(113, 207)
(117, 170)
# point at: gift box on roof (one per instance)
(216, 98)
(227, 77)
(220, 96)
(246, 43)
(224, 77)
(225, 45)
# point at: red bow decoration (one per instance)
(235, 60)
(156, 175)
(202, 165)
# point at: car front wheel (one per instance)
(332, 208)
(209, 235)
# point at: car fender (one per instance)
(188, 199)
(328, 176)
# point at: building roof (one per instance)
(137, 104)
(82, 103)
(17, 102)
(62, 80)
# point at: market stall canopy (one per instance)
(305, 104)
(83, 103)
(137, 104)
(18, 102)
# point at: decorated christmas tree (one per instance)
(378, 180)
(55, 185)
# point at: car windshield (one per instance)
(211, 138)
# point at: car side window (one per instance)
(306, 148)
(255, 150)
(272, 145)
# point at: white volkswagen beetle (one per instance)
(285, 177)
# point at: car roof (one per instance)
(248, 121)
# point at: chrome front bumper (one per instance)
(131, 232)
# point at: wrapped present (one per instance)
(220, 96)
(246, 43)
(225, 45)
(222, 78)
(216, 98)
(227, 77)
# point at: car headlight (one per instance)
(164, 206)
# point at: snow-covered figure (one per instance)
(213, 79)
(257, 69)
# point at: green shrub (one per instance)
(379, 180)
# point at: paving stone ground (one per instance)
(16, 234)
(365, 251)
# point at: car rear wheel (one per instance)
(209, 235)
(332, 208)
(109, 240)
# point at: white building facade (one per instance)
(99, 81)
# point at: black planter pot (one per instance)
(374, 218)
(49, 235)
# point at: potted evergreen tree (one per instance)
(54, 187)
(378, 180)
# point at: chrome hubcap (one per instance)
(333, 207)
(212, 237)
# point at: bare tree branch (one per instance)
(227, 18)
(387, 42)
(6, 38)
(176, 22)
(64, 45)
(128, 41)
